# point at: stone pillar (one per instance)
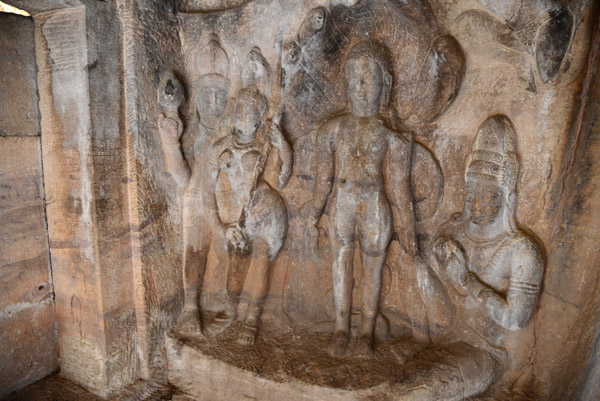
(86, 218)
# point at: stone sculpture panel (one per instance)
(482, 279)
(361, 164)
(320, 183)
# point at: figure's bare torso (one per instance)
(238, 165)
(494, 263)
(360, 148)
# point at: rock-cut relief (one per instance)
(426, 67)
(481, 279)
(250, 219)
(361, 163)
(185, 155)
(533, 36)
(229, 206)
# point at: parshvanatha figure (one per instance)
(363, 170)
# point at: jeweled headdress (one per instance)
(212, 61)
(493, 156)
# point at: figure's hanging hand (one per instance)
(233, 234)
(408, 241)
(275, 135)
(313, 235)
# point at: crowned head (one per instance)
(491, 173)
(250, 109)
(212, 85)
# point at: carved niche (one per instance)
(322, 203)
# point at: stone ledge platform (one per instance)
(280, 366)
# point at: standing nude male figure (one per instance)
(364, 167)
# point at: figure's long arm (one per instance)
(287, 162)
(325, 171)
(398, 189)
(513, 310)
(209, 183)
(174, 159)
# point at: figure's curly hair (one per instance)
(252, 94)
(373, 50)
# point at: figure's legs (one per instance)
(342, 268)
(266, 228)
(196, 238)
(341, 235)
(374, 235)
(372, 265)
(341, 229)
(232, 265)
(255, 290)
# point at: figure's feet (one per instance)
(364, 347)
(220, 324)
(189, 322)
(338, 345)
(247, 334)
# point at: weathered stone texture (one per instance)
(28, 342)
(19, 113)
(28, 337)
(208, 379)
(118, 239)
(29, 350)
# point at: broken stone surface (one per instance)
(242, 191)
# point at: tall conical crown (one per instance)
(493, 156)
(211, 59)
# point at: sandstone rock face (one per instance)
(361, 199)
(28, 338)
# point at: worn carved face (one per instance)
(248, 117)
(212, 102)
(484, 202)
(365, 85)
